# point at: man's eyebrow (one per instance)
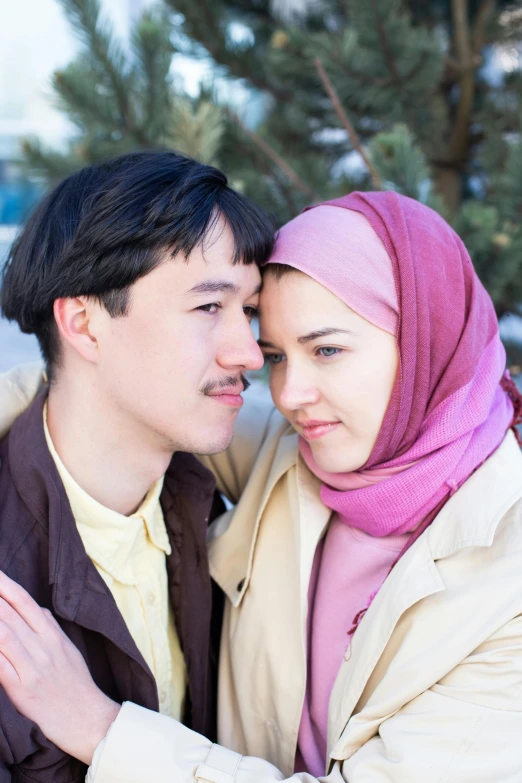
(214, 287)
(306, 338)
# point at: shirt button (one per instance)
(151, 599)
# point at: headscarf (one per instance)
(452, 402)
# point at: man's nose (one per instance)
(240, 349)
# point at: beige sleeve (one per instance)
(18, 388)
(232, 467)
(465, 729)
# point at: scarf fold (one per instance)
(452, 402)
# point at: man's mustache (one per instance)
(225, 383)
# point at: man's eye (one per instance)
(274, 358)
(251, 312)
(210, 308)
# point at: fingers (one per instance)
(20, 600)
(12, 620)
(52, 621)
(30, 637)
(15, 658)
(8, 675)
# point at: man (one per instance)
(139, 279)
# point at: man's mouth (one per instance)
(231, 398)
(226, 393)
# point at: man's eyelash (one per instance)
(250, 310)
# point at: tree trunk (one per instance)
(448, 184)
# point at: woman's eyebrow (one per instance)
(306, 338)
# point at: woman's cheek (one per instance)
(276, 385)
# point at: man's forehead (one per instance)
(206, 274)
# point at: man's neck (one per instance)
(103, 450)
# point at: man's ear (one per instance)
(73, 318)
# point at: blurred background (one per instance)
(296, 100)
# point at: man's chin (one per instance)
(217, 445)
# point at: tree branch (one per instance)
(286, 193)
(345, 122)
(85, 17)
(417, 66)
(478, 37)
(388, 54)
(274, 156)
(201, 25)
(459, 138)
(358, 76)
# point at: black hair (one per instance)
(104, 227)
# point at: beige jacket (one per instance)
(432, 689)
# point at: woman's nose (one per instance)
(298, 390)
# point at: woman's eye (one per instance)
(328, 351)
(274, 358)
(251, 312)
(211, 308)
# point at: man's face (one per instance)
(172, 366)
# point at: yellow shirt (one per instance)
(129, 554)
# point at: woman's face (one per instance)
(331, 372)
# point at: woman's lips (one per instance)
(312, 430)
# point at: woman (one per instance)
(373, 630)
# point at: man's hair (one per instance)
(104, 227)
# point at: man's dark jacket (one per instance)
(41, 549)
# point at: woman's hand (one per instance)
(46, 677)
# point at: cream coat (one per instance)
(432, 688)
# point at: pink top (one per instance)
(349, 566)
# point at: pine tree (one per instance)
(359, 94)
(122, 100)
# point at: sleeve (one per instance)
(18, 388)
(233, 467)
(27, 756)
(465, 729)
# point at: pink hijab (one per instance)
(453, 402)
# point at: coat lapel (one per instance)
(232, 540)
(469, 519)
(311, 521)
